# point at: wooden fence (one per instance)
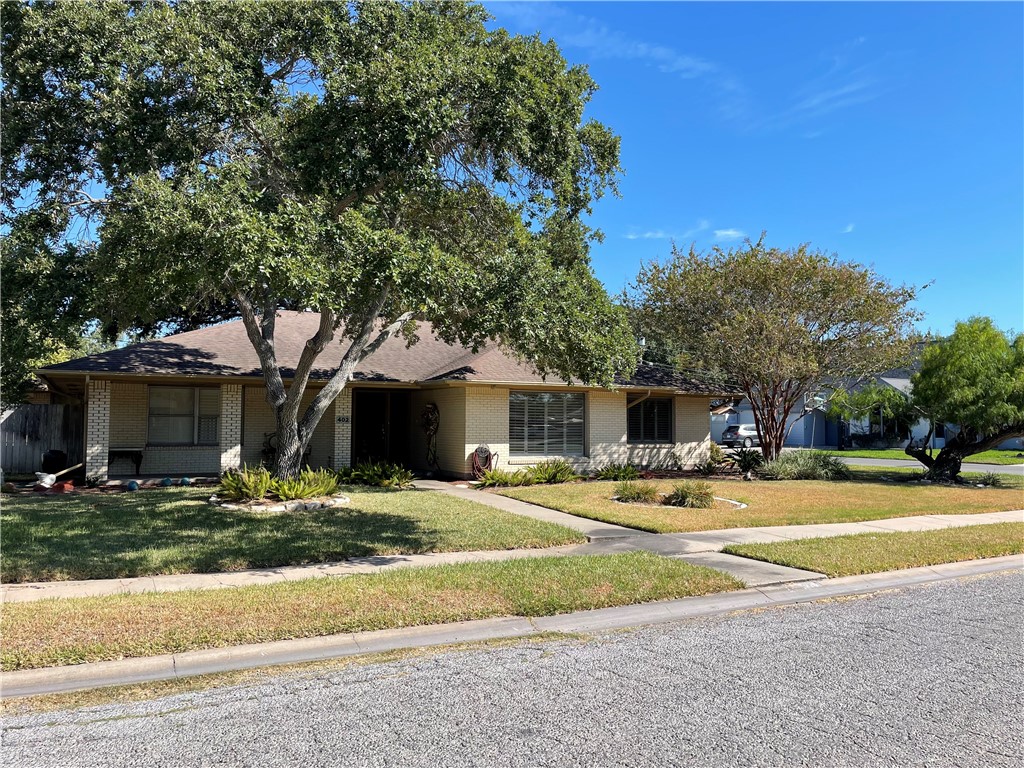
(29, 431)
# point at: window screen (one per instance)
(546, 423)
(650, 421)
(184, 415)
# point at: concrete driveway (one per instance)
(928, 675)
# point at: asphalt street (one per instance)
(930, 675)
(998, 469)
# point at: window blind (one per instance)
(650, 421)
(546, 423)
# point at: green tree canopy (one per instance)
(782, 324)
(974, 379)
(379, 163)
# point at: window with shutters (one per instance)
(546, 423)
(184, 415)
(650, 421)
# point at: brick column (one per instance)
(342, 418)
(97, 429)
(230, 426)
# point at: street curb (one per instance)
(34, 682)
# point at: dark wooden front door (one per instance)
(380, 425)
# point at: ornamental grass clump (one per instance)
(246, 484)
(636, 492)
(617, 472)
(502, 478)
(693, 494)
(805, 465)
(553, 471)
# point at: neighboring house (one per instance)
(194, 403)
(918, 431)
(812, 430)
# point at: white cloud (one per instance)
(661, 234)
(729, 234)
(847, 229)
(654, 234)
(573, 30)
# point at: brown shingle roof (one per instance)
(224, 350)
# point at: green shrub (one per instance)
(617, 472)
(991, 479)
(380, 474)
(636, 492)
(805, 465)
(309, 484)
(691, 493)
(246, 484)
(502, 478)
(717, 456)
(746, 459)
(553, 471)
(706, 468)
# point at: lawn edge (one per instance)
(50, 680)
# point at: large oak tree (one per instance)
(784, 325)
(381, 163)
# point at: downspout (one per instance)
(638, 400)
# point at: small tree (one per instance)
(778, 323)
(973, 379)
(378, 163)
(860, 402)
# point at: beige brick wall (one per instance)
(129, 416)
(341, 417)
(230, 426)
(452, 457)
(606, 438)
(97, 429)
(258, 420)
(129, 427)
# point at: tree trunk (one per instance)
(290, 447)
(945, 468)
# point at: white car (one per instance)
(740, 434)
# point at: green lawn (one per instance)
(175, 530)
(73, 631)
(900, 474)
(985, 457)
(772, 503)
(874, 552)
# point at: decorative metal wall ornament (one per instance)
(430, 420)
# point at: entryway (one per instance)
(380, 425)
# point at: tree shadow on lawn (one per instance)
(105, 537)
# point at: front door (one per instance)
(380, 425)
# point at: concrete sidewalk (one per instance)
(180, 665)
(594, 529)
(606, 539)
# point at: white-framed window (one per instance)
(546, 423)
(184, 415)
(650, 421)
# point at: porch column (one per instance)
(97, 429)
(230, 426)
(342, 412)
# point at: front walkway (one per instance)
(702, 548)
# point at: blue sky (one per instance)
(891, 134)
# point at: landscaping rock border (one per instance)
(737, 504)
(296, 505)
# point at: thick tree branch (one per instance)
(260, 331)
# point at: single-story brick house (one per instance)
(194, 403)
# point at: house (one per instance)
(810, 428)
(194, 403)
